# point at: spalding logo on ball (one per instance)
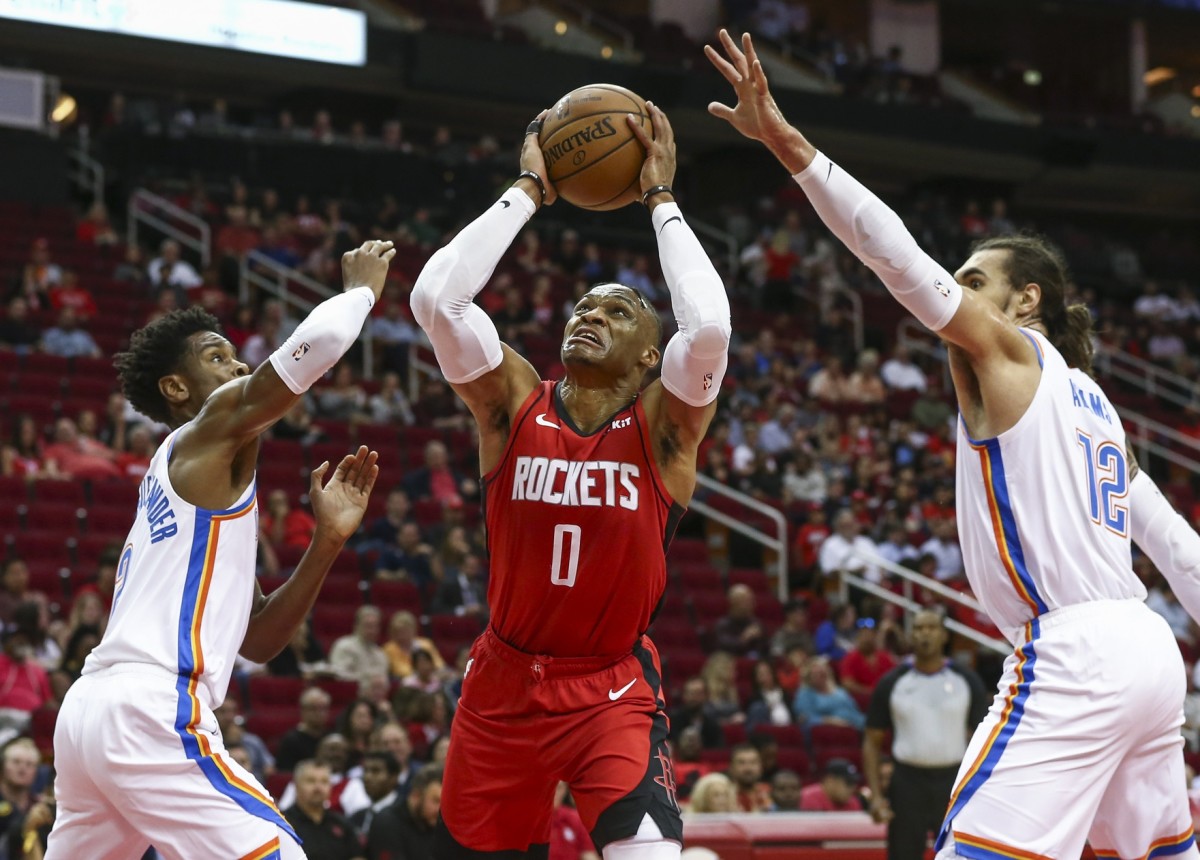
(591, 155)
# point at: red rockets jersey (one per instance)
(578, 527)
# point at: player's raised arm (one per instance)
(245, 409)
(695, 359)
(490, 378)
(1165, 537)
(872, 231)
(338, 508)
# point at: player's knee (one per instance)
(632, 849)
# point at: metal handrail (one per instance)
(1154, 380)
(272, 277)
(913, 579)
(726, 239)
(589, 18)
(1145, 445)
(418, 366)
(87, 173)
(916, 338)
(157, 205)
(778, 544)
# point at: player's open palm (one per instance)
(339, 505)
(756, 115)
(367, 266)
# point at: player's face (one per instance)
(212, 363)
(986, 273)
(607, 329)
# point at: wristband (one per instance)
(657, 189)
(537, 179)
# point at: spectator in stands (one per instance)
(720, 677)
(262, 763)
(344, 399)
(821, 701)
(168, 268)
(301, 742)
(830, 384)
(713, 792)
(438, 480)
(569, 839)
(1153, 304)
(688, 761)
(694, 711)
(285, 526)
(325, 834)
(900, 373)
(68, 294)
(357, 655)
(411, 559)
(804, 480)
(95, 228)
(514, 319)
(836, 792)
(67, 340)
(297, 424)
(380, 781)
(356, 723)
(24, 684)
(32, 618)
(266, 339)
(836, 634)
(391, 739)
(406, 829)
(302, 658)
(930, 412)
(390, 405)
(424, 676)
(739, 632)
(24, 455)
(80, 642)
(768, 704)
(785, 792)
(865, 384)
(463, 591)
(132, 268)
(865, 663)
(745, 772)
(20, 759)
(793, 633)
(1165, 345)
(403, 641)
(896, 546)
(847, 549)
(943, 545)
(237, 236)
(17, 332)
(78, 456)
(394, 332)
(810, 537)
(39, 275)
(384, 531)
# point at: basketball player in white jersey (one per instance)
(1082, 741)
(140, 760)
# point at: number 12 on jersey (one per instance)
(566, 540)
(1108, 481)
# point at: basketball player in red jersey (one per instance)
(585, 480)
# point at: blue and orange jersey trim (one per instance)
(1041, 355)
(978, 848)
(1167, 846)
(201, 562)
(993, 748)
(1004, 524)
(270, 851)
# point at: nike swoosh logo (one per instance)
(505, 203)
(668, 221)
(612, 697)
(541, 419)
(829, 172)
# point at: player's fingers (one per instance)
(721, 111)
(662, 127)
(368, 483)
(759, 78)
(356, 465)
(635, 125)
(314, 480)
(370, 470)
(387, 257)
(736, 58)
(748, 48)
(729, 72)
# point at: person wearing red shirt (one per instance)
(569, 839)
(135, 462)
(836, 790)
(865, 663)
(24, 684)
(284, 525)
(810, 537)
(69, 294)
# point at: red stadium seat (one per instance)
(394, 596)
(688, 550)
(342, 692)
(62, 492)
(827, 735)
(272, 691)
(109, 519)
(341, 591)
(271, 724)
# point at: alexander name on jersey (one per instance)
(591, 483)
(153, 499)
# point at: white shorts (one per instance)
(127, 778)
(1082, 742)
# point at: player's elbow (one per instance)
(428, 294)
(710, 339)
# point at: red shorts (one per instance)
(525, 722)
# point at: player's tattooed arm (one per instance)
(338, 507)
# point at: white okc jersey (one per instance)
(184, 588)
(1043, 513)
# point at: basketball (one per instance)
(591, 155)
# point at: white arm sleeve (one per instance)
(464, 338)
(695, 359)
(1167, 539)
(877, 236)
(322, 339)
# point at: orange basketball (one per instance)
(591, 155)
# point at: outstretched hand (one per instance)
(367, 265)
(756, 115)
(659, 166)
(339, 505)
(532, 159)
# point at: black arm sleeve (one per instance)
(879, 710)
